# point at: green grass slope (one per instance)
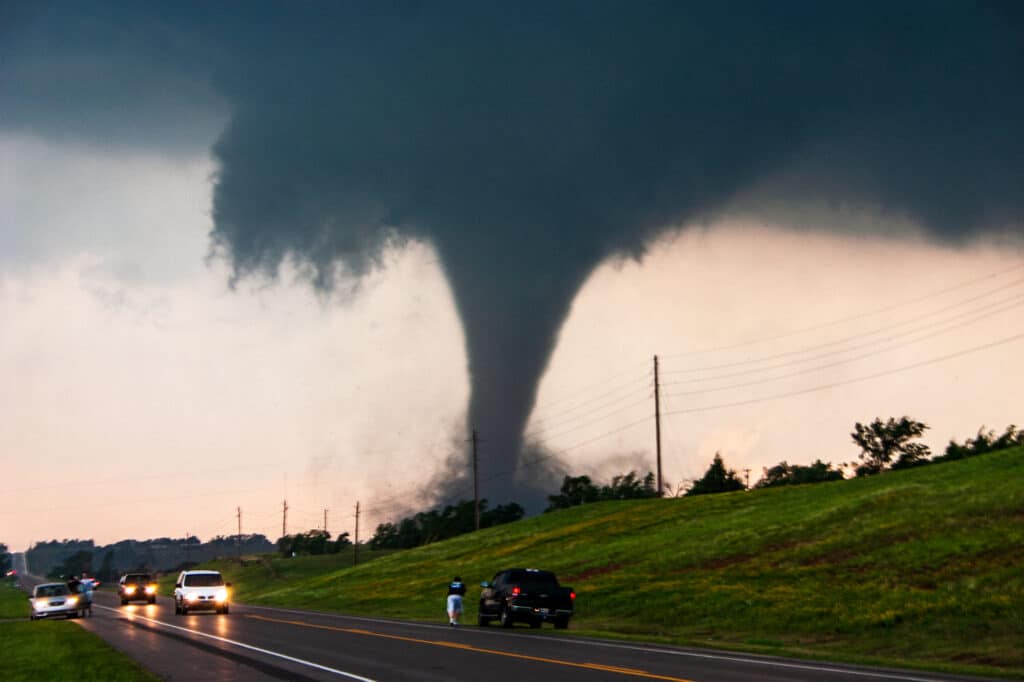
(920, 567)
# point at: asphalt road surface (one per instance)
(261, 643)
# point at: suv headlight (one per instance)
(150, 589)
(221, 595)
(129, 589)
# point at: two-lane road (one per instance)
(267, 643)
(263, 643)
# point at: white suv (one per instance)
(200, 590)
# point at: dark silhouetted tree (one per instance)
(440, 524)
(575, 490)
(717, 479)
(888, 444)
(5, 559)
(630, 487)
(982, 443)
(795, 474)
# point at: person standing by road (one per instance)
(456, 588)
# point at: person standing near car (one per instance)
(456, 588)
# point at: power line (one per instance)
(848, 339)
(852, 318)
(574, 407)
(632, 368)
(605, 411)
(845, 382)
(816, 368)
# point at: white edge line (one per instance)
(300, 661)
(829, 668)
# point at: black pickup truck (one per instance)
(526, 595)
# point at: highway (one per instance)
(261, 643)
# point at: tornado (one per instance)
(527, 143)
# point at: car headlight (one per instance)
(129, 590)
(150, 589)
(222, 595)
(41, 603)
(72, 601)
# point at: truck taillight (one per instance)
(516, 591)
(572, 595)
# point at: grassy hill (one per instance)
(920, 567)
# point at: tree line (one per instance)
(884, 445)
(440, 524)
(57, 558)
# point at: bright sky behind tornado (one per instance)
(144, 397)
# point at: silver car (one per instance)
(54, 599)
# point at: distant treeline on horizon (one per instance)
(106, 562)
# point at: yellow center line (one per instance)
(469, 647)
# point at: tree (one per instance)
(982, 443)
(717, 479)
(882, 442)
(503, 513)
(575, 490)
(630, 487)
(795, 474)
(107, 572)
(340, 543)
(5, 559)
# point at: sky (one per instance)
(241, 265)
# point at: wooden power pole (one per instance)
(476, 485)
(284, 518)
(657, 423)
(355, 555)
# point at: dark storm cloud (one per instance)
(529, 141)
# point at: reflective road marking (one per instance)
(469, 647)
(134, 616)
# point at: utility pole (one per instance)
(746, 475)
(238, 542)
(284, 518)
(657, 423)
(476, 485)
(355, 546)
(325, 520)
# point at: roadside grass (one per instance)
(13, 601)
(919, 568)
(61, 650)
(256, 570)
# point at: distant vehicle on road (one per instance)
(526, 595)
(54, 599)
(136, 587)
(201, 590)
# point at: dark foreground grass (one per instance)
(61, 650)
(920, 568)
